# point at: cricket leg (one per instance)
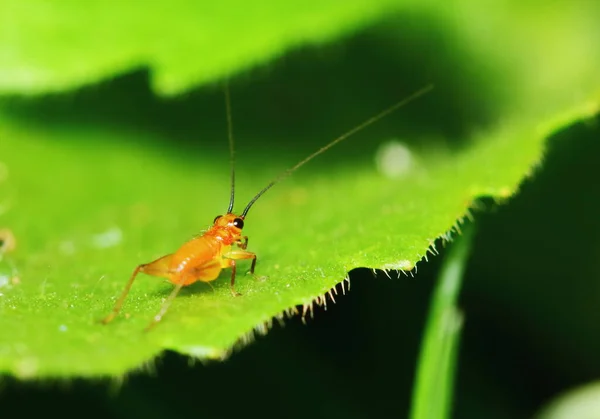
(205, 272)
(164, 307)
(230, 259)
(243, 243)
(159, 267)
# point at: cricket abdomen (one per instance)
(197, 260)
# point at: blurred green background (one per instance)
(530, 297)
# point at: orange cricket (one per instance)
(222, 245)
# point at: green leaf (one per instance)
(93, 184)
(434, 382)
(94, 213)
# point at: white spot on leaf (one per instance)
(67, 247)
(394, 159)
(109, 238)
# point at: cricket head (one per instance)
(229, 227)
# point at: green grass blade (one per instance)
(432, 397)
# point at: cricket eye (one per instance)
(239, 223)
(216, 218)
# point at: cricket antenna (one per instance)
(231, 147)
(342, 137)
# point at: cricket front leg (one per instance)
(243, 243)
(230, 259)
(159, 267)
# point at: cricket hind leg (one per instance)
(159, 268)
(205, 273)
(165, 306)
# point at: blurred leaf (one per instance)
(582, 403)
(53, 46)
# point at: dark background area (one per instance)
(530, 298)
